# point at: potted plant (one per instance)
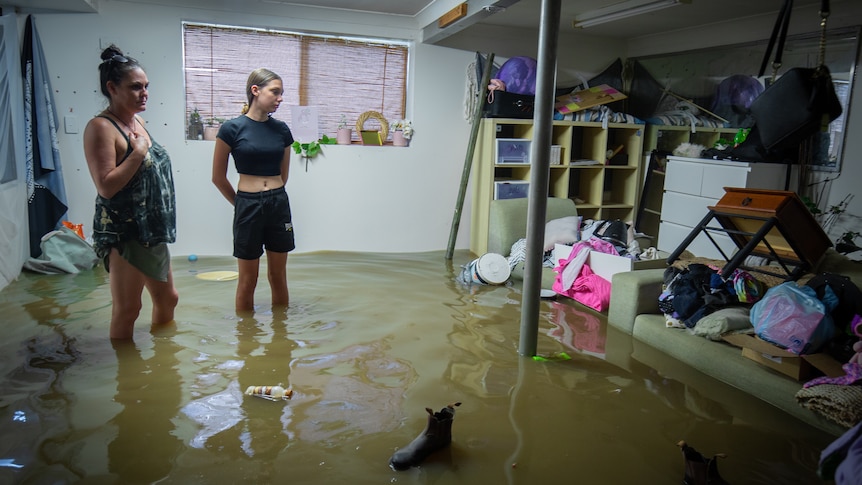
(402, 130)
(196, 125)
(311, 149)
(344, 132)
(211, 129)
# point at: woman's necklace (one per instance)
(134, 121)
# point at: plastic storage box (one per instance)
(511, 189)
(513, 150)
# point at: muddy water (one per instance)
(369, 341)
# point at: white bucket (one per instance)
(489, 269)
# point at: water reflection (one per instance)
(231, 422)
(34, 401)
(148, 389)
(369, 342)
(579, 330)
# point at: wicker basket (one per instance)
(384, 125)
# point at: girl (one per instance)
(260, 146)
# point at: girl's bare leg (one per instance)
(276, 272)
(246, 284)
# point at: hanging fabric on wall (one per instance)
(46, 194)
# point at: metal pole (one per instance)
(540, 156)
(471, 148)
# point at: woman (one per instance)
(135, 214)
(260, 146)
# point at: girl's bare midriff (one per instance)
(257, 183)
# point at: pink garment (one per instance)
(853, 374)
(602, 246)
(578, 282)
(577, 329)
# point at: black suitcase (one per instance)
(504, 104)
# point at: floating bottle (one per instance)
(273, 393)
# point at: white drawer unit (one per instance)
(693, 184)
(701, 246)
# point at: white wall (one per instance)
(355, 198)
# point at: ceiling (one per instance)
(517, 14)
(526, 14)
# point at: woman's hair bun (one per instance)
(110, 52)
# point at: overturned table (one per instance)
(774, 224)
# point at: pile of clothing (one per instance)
(698, 290)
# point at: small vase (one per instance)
(343, 136)
(398, 139)
(210, 132)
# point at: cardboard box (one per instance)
(595, 96)
(607, 265)
(798, 367)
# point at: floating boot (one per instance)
(698, 469)
(437, 435)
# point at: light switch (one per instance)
(70, 123)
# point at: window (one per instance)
(339, 75)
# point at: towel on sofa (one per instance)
(839, 403)
(733, 319)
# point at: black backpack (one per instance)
(849, 304)
(849, 296)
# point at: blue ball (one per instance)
(193, 258)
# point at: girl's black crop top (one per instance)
(257, 147)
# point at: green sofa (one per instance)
(634, 311)
(508, 223)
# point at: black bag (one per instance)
(753, 150)
(798, 104)
(615, 232)
(503, 104)
(795, 107)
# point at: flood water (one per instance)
(369, 342)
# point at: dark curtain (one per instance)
(46, 194)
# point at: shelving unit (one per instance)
(600, 191)
(666, 138)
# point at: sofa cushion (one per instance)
(565, 230)
(508, 220)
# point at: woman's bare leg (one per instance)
(165, 298)
(246, 284)
(127, 284)
(276, 272)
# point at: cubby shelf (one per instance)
(600, 191)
